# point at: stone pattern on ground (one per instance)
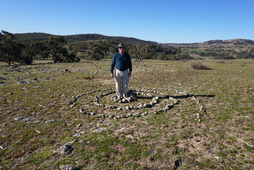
(135, 94)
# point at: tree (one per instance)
(98, 50)
(10, 50)
(55, 48)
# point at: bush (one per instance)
(26, 60)
(199, 66)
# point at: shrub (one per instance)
(199, 66)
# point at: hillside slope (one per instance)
(233, 45)
(25, 37)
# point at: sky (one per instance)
(162, 21)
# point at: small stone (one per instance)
(129, 136)
(85, 113)
(99, 130)
(129, 115)
(176, 164)
(19, 118)
(77, 135)
(119, 108)
(27, 119)
(79, 125)
(22, 82)
(73, 105)
(81, 110)
(37, 131)
(147, 105)
(124, 100)
(93, 113)
(35, 80)
(74, 98)
(68, 167)
(65, 149)
(145, 113)
(50, 121)
(66, 70)
(122, 130)
(110, 116)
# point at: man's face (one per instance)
(121, 50)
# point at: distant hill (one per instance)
(232, 45)
(233, 48)
(25, 37)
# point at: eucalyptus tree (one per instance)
(10, 51)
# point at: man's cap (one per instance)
(121, 45)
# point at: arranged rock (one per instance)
(79, 125)
(132, 97)
(81, 110)
(68, 167)
(19, 118)
(35, 80)
(73, 105)
(174, 100)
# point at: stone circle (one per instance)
(136, 110)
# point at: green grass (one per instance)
(222, 138)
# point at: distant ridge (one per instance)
(32, 36)
(231, 45)
(24, 37)
(231, 41)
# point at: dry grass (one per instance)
(222, 139)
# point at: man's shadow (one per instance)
(191, 95)
(176, 97)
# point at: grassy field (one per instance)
(37, 118)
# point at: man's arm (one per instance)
(112, 66)
(130, 66)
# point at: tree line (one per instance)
(60, 50)
(54, 48)
(105, 49)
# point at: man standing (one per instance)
(122, 62)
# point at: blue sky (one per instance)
(163, 21)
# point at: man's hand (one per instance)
(129, 74)
(112, 75)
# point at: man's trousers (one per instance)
(122, 80)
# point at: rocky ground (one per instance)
(64, 116)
